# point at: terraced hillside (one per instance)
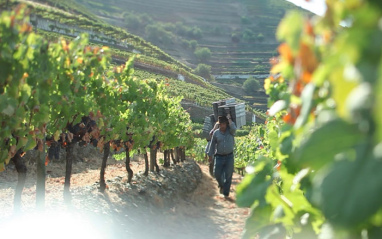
(239, 34)
(55, 19)
(59, 20)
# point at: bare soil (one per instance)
(179, 202)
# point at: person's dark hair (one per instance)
(223, 119)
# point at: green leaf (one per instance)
(277, 107)
(375, 233)
(352, 191)
(306, 232)
(290, 29)
(286, 144)
(21, 142)
(325, 142)
(30, 144)
(307, 104)
(254, 187)
(273, 139)
(273, 231)
(377, 112)
(259, 218)
(7, 105)
(341, 89)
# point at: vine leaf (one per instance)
(332, 138)
(254, 187)
(352, 191)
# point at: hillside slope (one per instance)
(239, 34)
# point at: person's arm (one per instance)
(232, 125)
(216, 126)
(211, 150)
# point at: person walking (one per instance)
(211, 162)
(221, 146)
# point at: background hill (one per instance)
(240, 34)
(233, 37)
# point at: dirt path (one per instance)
(226, 218)
(125, 211)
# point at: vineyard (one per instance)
(123, 45)
(312, 170)
(58, 94)
(189, 92)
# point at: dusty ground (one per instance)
(179, 202)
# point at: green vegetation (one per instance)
(203, 54)
(314, 167)
(50, 90)
(251, 85)
(215, 24)
(98, 27)
(203, 70)
(190, 92)
(157, 33)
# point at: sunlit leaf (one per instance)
(352, 191)
(329, 140)
(253, 188)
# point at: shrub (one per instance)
(193, 44)
(194, 33)
(132, 22)
(203, 70)
(245, 20)
(180, 28)
(157, 33)
(203, 54)
(251, 85)
(235, 38)
(260, 37)
(249, 35)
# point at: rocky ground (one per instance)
(179, 202)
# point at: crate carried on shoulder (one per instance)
(222, 108)
(209, 122)
(237, 112)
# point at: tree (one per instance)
(203, 54)
(249, 35)
(194, 33)
(245, 20)
(235, 38)
(251, 85)
(180, 28)
(260, 37)
(132, 21)
(193, 44)
(203, 70)
(145, 19)
(156, 33)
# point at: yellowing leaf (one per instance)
(341, 90)
(286, 53)
(56, 135)
(267, 84)
(307, 58)
(377, 109)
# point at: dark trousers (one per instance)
(223, 172)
